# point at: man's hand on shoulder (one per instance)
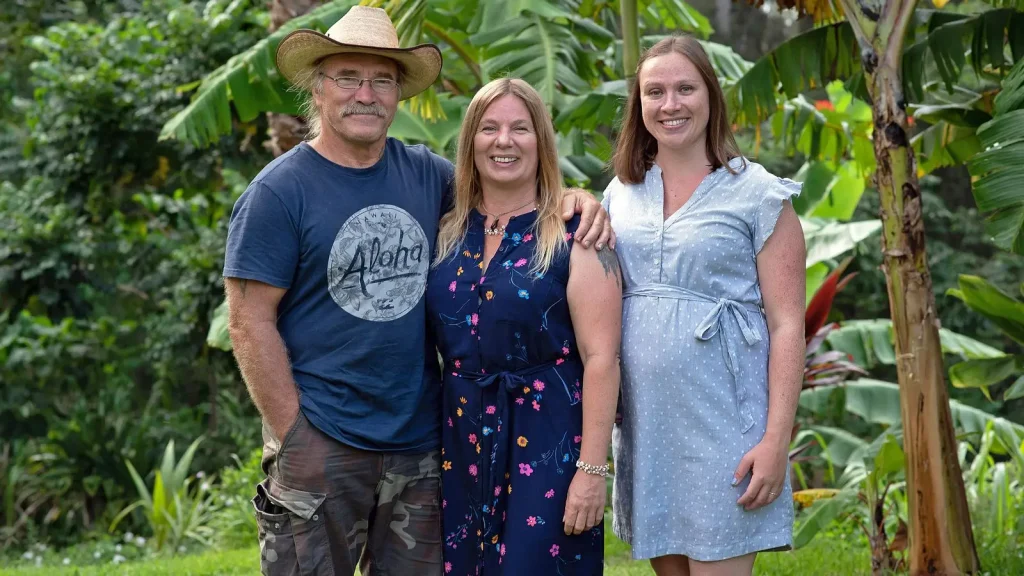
(595, 227)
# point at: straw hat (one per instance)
(362, 30)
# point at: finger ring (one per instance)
(771, 493)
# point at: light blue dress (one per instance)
(694, 365)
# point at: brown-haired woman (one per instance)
(712, 257)
(528, 325)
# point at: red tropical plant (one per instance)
(831, 367)
(824, 368)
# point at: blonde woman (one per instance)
(528, 326)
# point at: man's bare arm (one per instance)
(260, 352)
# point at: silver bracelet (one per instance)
(601, 470)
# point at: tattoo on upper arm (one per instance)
(610, 263)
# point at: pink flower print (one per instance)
(519, 401)
(538, 385)
(576, 395)
(497, 490)
(491, 409)
(444, 503)
(472, 438)
(578, 439)
(528, 237)
(531, 521)
(565, 350)
(474, 319)
(458, 363)
(554, 550)
(549, 494)
(520, 263)
(447, 567)
(536, 406)
(482, 278)
(449, 422)
(472, 469)
(559, 361)
(472, 287)
(451, 287)
(502, 549)
(525, 469)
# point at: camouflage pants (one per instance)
(326, 507)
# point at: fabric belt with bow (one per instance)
(716, 321)
(495, 427)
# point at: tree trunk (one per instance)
(941, 539)
(630, 39)
(723, 17)
(286, 131)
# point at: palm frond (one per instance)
(944, 144)
(674, 15)
(806, 61)
(946, 43)
(729, 66)
(955, 40)
(998, 170)
(538, 46)
(248, 80)
(590, 110)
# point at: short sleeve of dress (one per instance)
(770, 207)
(606, 197)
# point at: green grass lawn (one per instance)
(824, 557)
(838, 551)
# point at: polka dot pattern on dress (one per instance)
(682, 433)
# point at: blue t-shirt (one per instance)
(352, 247)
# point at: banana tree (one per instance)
(864, 45)
(877, 402)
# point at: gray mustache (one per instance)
(357, 108)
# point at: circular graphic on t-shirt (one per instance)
(378, 265)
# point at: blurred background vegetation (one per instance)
(124, 144)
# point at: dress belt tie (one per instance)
(495, 427)
(712, 324)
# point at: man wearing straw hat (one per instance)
(327, 258)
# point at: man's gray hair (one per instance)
(306, 83)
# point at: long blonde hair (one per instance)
(549, 229)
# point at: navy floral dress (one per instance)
(513, 410)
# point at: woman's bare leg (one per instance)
(671, 565)
(739, 566)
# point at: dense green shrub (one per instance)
(111, 246)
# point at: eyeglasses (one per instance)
(379, 85)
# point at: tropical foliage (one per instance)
(130, 128)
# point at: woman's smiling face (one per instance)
(674, 101)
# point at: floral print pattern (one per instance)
(513, 419)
